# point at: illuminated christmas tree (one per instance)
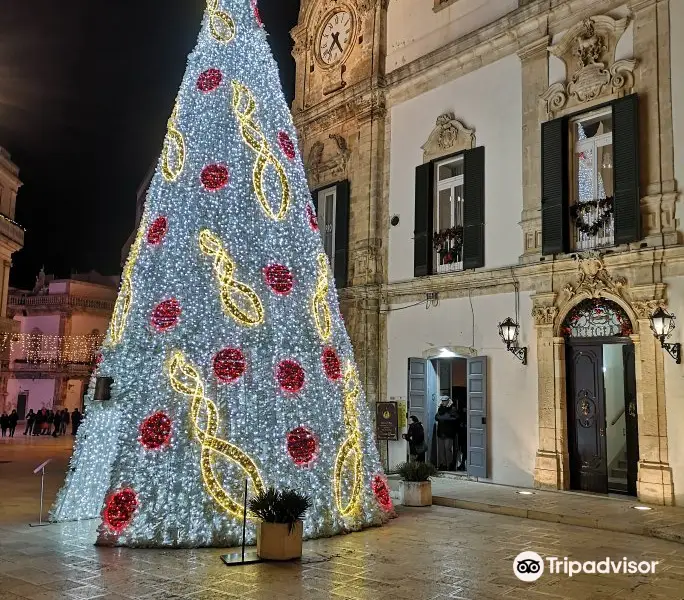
(228, 355)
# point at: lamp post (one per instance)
(662, 325)
(508, 330)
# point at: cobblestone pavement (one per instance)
(427, 553)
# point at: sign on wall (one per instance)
(387, 421)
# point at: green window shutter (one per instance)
(555, 186)
(474, 208)
(422, 235)
(626, 169)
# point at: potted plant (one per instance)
(415, 483)
(280, 529)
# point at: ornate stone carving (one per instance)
(321, 167)
(588, 51)
(593, 278)
(544, 315)
(448, 136)
(366, 261)
(644, 309)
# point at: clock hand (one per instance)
(336, 40)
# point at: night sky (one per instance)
(86, 88)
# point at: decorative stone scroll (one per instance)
(593, 278)
(322, 165)
(448, 137)
(588, 51)
(544, 315)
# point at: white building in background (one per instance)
(485, 159)
(61, 325)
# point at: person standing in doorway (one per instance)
(30, 420)
(4, 423)
(415, 436)
(447, 428)
(57, 422)
(13, 419)
(75, 421)
(65, 421)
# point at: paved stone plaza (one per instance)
(425, 553)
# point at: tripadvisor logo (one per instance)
(529, 566)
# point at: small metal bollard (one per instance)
(41, 468)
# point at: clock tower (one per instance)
(339, 111)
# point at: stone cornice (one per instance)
(537, 277)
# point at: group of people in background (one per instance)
(55, 423)
(9, 422)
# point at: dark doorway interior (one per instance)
(22, 399)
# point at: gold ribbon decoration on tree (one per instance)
(173, 153)
(320, 307)
(350, 455)
(244, 106)
(124, 300)
(221, 24)
(186, 380)
(239, 300)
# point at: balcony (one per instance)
(12, 231)
(57, 302)
(594, 224)
(448, 244)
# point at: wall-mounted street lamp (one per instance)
(508, 330)
(662, 325)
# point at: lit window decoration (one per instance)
(302, 446)
(239, 300)
(157, 231)
(155, 431)
(257, 13)
(221, 24)
(350, 454)
(382, 493)
(165, 315)
(290, 376)
(229, 365)
(286, 145)
(244, 106)
(185, 379)
(214, 177)
(119, 510)
(173, 152)
(209, 80)
(124, 300)
(331, 364)
(320, 306)
(313, 219)
(279, 279)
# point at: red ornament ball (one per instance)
(214, 177)
(98, 359)
(313, 219)
(290, 376)
(157, 231)
(119, 509)
(165, 315)
(155, 431)
(229, 365)
(382, 493)
(331, 364)
(257, 13)
(302, 446)
(286, 145)
(279, 279)
(209, 80)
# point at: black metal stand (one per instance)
(242, 558)
(41, 468)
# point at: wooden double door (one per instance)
(586, 410)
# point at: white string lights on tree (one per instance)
(230, 363)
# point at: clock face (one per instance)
(336, 37)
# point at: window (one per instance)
(327, 200)
(590, 179)
(592, 216)
(332, 210)
(448, 216)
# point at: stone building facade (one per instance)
(493, 158)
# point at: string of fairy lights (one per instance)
(232, 362)
(43, 348)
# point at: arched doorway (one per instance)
(601, 398)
